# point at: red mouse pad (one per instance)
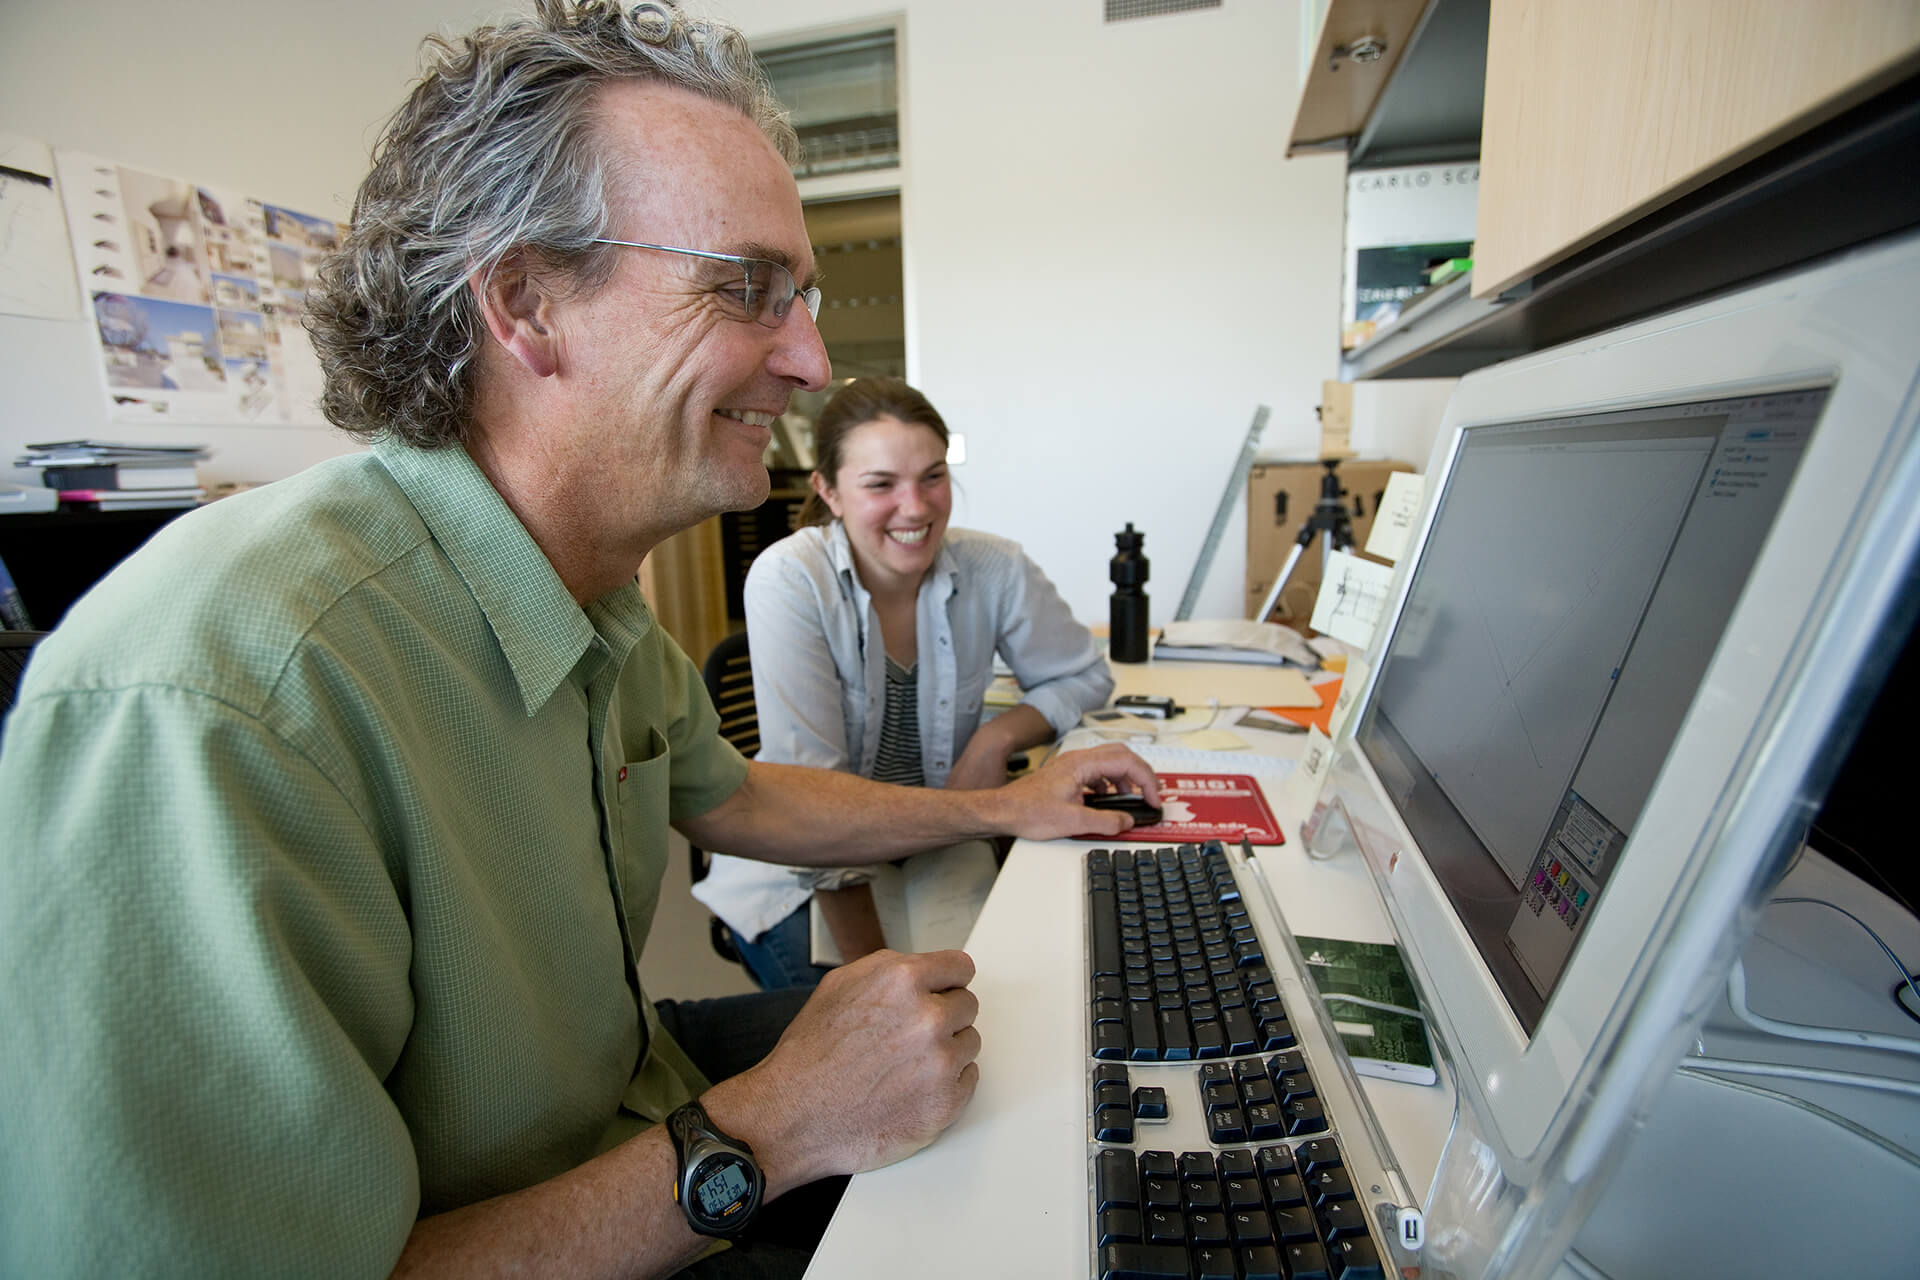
(1208, 806)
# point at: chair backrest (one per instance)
(729, 679)
(728, 675)
(15, 648)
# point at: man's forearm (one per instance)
(612, 1216)
(824, 818)
(817, 818)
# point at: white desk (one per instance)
(1004, 1191)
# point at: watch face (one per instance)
(723, 1189)
(722, 1186)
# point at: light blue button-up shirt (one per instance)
(820, 677)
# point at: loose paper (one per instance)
(1352, 598)
(1399, 513)
(1350, 686)
(1316, 763)
(34, 279)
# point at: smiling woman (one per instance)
(888, 625)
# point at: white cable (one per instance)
(1906, 975)
(1737, 997)
(1819, 1075)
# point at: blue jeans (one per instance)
(782, 956)
(724, 1037)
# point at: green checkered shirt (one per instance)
(330, 830)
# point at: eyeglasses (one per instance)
(766, 291)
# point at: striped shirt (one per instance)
(898, 759)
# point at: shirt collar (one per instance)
(946, 569)
(539, 628)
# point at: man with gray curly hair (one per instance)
(337, 815)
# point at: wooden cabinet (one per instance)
(1633, 156)
(1597, 114)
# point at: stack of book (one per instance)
(119, 477)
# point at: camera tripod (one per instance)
(1330, 519)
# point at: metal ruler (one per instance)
(1235, 493)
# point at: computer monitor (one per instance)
(1658, 577)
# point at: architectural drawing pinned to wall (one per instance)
(34, 280)
(196, 295)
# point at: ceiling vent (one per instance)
(1121, 10)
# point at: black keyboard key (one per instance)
(1294, 1084)
(1219, 1096)
(1165, 1226)
(1150, 1102)
(1276, 1159)
(1143, 1032)
(1228, 1124)
(1160, 1192)
(1214, 1263)
(1104, 916)
(1329, 1184)
(1198, 1164)
(1110, 1041)
(1264, 1122)
(1250, 1226)
(1280, 1064)
(1285, 1191)
(1109, 1011)
(1357, 1259)
(1243, 1193)
(1202, 1194)
(1318, 1154)
(1242, 1037)
(1108, 1093)
(1307, 1262)
(1159, 1164)
(1143, 1262)
(1116, 1180)
(1236, 1164)
(1304, 1115)
(1294, 1226)
(1119, 1226)
(1342, 1219)
(1113, 1124)
(1260, 1262)
(1207, 1227)
(1208, 1042)
(1176, 1040)
(1276, 1033)
(1256, 1093)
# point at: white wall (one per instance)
(270, 99)
(1108, 262)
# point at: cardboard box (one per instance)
(1280, 497)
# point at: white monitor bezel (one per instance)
(1846, 324)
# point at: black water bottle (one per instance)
(1127, 611)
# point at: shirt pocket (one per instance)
(641, 805)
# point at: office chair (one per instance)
(15, 648)
(728, 676)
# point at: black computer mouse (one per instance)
(1131, 803)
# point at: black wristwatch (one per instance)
(718, 1185)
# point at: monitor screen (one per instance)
(1579, 572)
(1629, 643)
